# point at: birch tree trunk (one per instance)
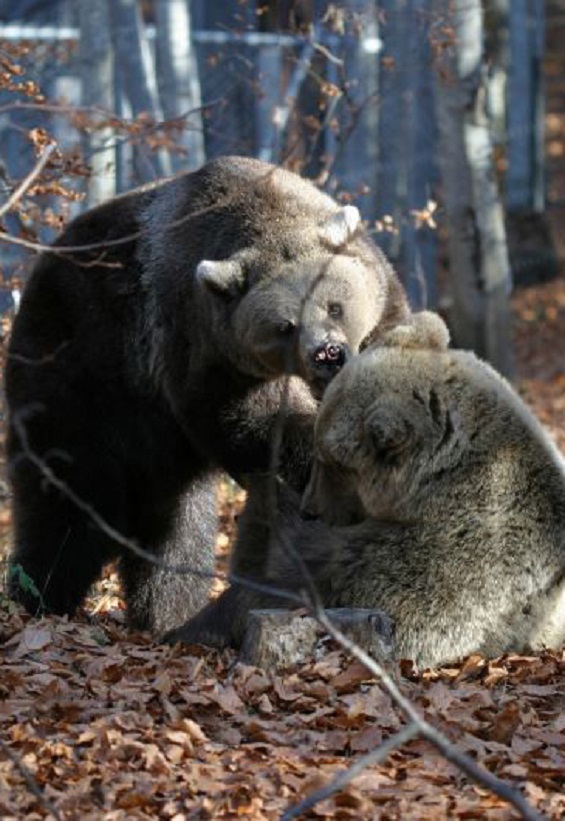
(479, 269)
(355, 145)
(282, 66)
(177, 78)
(269, 72)
(97, 75)
(136, 70)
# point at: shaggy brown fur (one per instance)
(441, 502)
(140, 369)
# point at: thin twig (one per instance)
(29, 180)
(42, 360)
(30, 780)
(63, 250)
(111, 116)
(324, 50)
(345, 777)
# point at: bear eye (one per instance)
(286, 327)
(335, 310)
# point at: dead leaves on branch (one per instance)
(110, 724)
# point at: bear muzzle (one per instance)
(330, 355)
(327, 359)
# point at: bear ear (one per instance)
(424, 331)
(223, 277)
(341, 227)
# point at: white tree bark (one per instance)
(178, 81)
(97, 73)
(136, 71)
(479, 275)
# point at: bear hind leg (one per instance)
(58, 554)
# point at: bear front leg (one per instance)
(222, 623)
(249, 555)
(271, 515)
(184, 536)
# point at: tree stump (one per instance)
(279, 638)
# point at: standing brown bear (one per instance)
(141, 365)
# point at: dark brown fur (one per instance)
(140, 369)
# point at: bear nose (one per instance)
(330, 357)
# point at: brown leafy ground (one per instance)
(112, 726)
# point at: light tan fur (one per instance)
(463, 543)
(441, 500)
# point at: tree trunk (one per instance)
(269, 71)
(479, 269)
(97, 74)
(227, 73)
(407, 141)
(136, 70)
(532, 253)
(355, 148)
(178, 82)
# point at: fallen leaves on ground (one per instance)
(110, 724)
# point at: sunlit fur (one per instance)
(441, 500)
(137, 378)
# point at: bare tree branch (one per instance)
(29, 180)
(427, 731)
(345, 777)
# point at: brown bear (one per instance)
(150, 351)
(441, 502)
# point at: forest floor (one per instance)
(97, 722)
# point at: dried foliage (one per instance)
(32, 208)
(108, 723)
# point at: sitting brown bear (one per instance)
(442, 503)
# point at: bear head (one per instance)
(386, 419)
(407, 435)
(306, 315)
